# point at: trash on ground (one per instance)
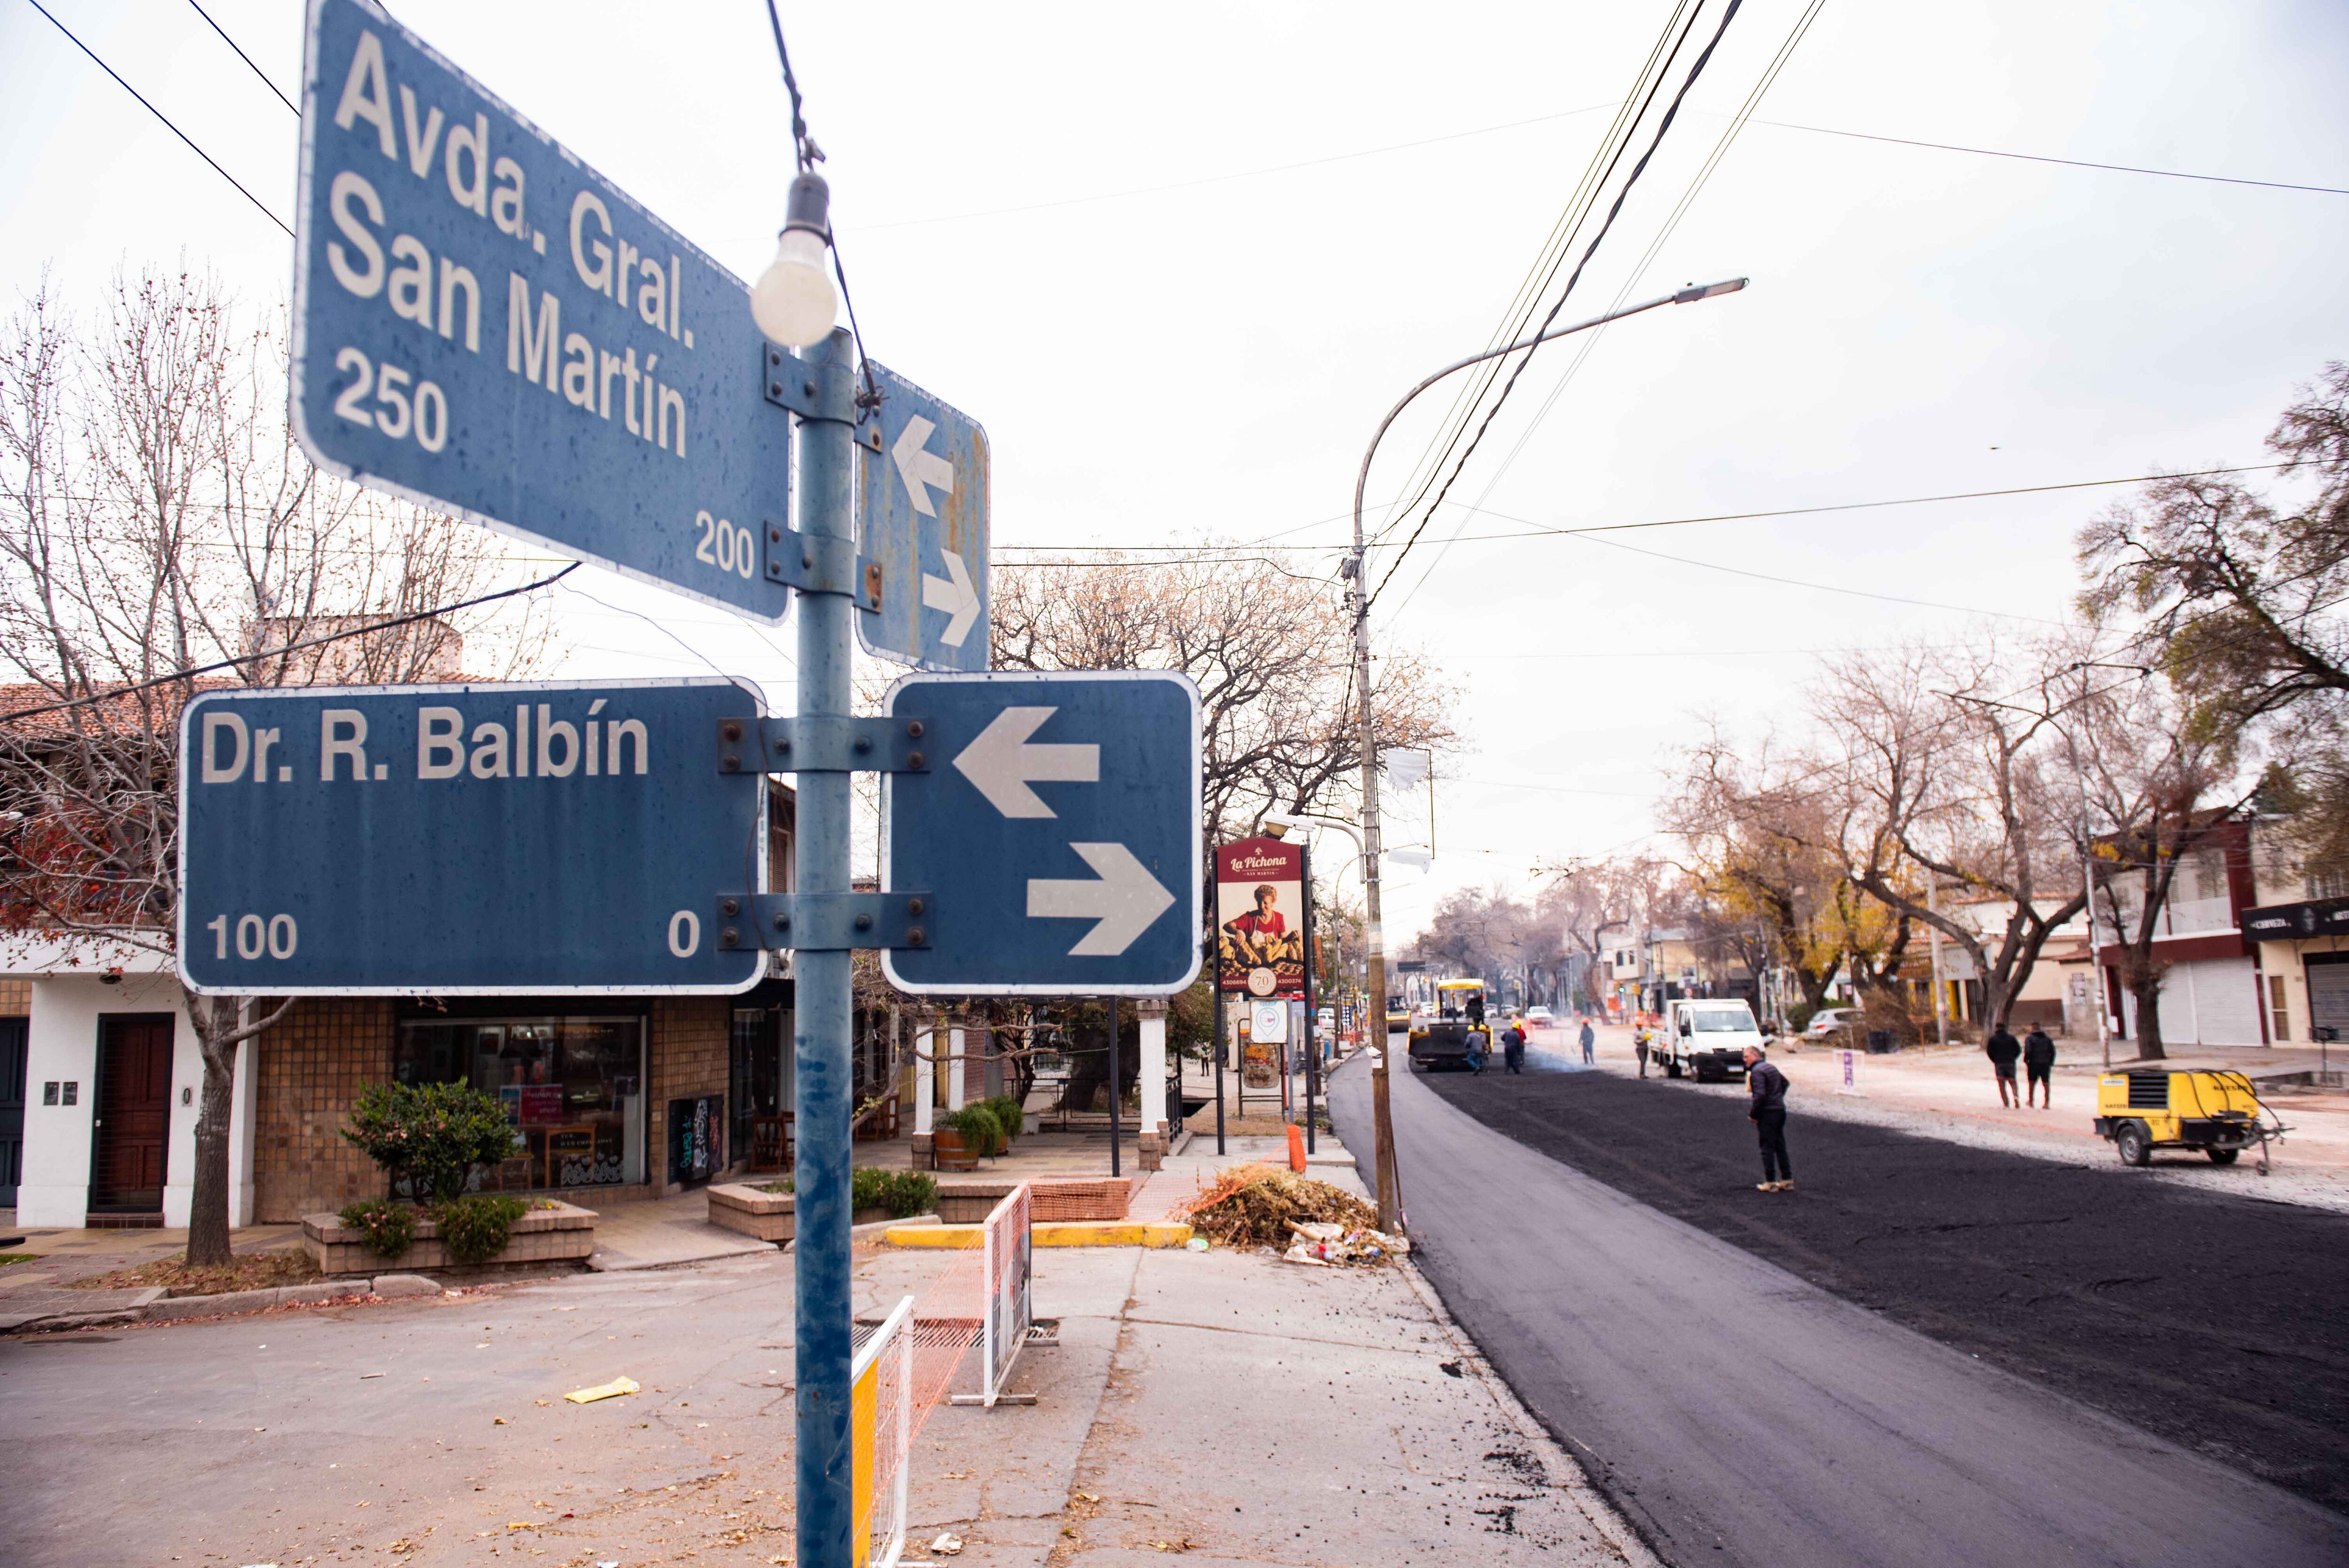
(1327, 1244)
(1255, 1205)
(947, 1545)
(603, 1391)
(1197, 1244)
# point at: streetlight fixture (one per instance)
(1359, 591)
(793, 302)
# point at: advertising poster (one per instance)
(1260, 917)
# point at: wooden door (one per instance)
(134, 1115)
(13, 1053)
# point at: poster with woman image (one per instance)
(1260, 917)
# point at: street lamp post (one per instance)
(1359, 593)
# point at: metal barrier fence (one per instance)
(883, 1419)
(1007, 1254)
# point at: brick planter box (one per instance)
(564, 1233)
(742, 1208)
(967, 1201)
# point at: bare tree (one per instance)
(1268, 649)
(2241, 595)
(160, 518)
(2162, 788)
(1933, 775)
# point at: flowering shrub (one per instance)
(430, 1136)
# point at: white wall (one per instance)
(62, 1038)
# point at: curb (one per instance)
(1050, 1233)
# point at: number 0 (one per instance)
(684, 933)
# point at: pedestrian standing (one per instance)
(1640, 1044)
(1767, 1086)
(2038, 1062)
(1512, 1047)
(2004, 1049)
(1589, 1038)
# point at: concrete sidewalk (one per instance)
(1225, 1406)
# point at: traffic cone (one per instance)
(1296, 1148)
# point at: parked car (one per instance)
(1540, 1018)
(1828, 1022)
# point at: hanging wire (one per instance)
(808, 154)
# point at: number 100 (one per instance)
(275, 937)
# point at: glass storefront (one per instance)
(573, 1087)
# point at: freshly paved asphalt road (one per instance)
(1738, 1412)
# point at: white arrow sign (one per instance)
(1001, 765)
(1122, 904)
(921, 468)
(954, 594)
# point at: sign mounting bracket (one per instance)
(816, 922)
(823, 743)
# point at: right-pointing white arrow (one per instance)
(1122, 904)
(1001, 763)
(953, 593)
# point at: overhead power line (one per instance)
(264, 654)
(240, 55)
(2067, 162)
(1589, 345)
(1615, 211)
(158, 114)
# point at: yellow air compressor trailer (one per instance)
(2218, 1113)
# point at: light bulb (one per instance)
(794, 303)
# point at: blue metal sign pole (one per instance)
(827, 1510)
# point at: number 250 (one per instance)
(392, 413)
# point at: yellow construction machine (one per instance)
(2218, 1113)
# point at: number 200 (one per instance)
(725, 546)
(275, 936)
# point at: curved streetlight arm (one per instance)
(1688, 296)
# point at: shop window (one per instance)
(572, 1087)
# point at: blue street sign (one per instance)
(482, 323)
(923, 494)
(1057, 834)
(450, 840)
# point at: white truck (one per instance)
(1706, 1037)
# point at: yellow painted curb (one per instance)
(1052, 1233)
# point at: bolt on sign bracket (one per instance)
(823, 744)
(819, 564)
(789, 385)
(811, 922)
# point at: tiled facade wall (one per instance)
(689, 1041)
(313, 1063)
(15, 998)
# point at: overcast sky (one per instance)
(1181, 261)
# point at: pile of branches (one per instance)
(1254, 1206)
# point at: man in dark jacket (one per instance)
(1512, 1047)
(1767, 1085)
(2038, 1061)
(2002, 1049)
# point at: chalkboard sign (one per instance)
(697, 1140)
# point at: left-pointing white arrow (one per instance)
(919, 468)
(954, 595)
(1122, 904)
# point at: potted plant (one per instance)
(430, 1139)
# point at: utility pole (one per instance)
(1940, 1002)
(1355, 569)
(827, 1512)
